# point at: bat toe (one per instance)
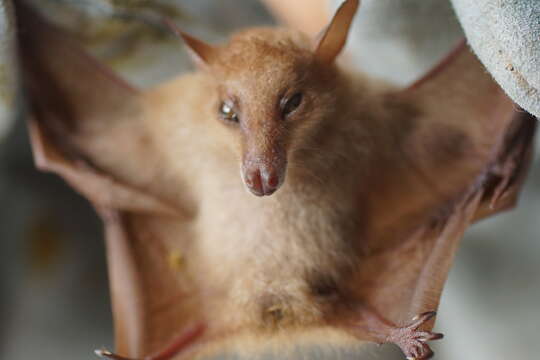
(413, 342)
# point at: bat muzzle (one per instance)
(263, 178)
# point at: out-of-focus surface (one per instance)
(399, 40)
(54, 300)
(9, 85)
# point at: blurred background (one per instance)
(54, 294)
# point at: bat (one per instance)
(273, 196)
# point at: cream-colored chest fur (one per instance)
(264, 255)
(272, 253)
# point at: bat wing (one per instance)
(155, 307)
(81, 111)
(462, 157)
(84, 122)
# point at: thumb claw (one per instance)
(428, 315)
(102, 353)
(422, 319)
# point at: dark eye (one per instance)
(292, 104)
(227, 113)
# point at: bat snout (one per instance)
(263, 180)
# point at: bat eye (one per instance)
(227, 113)
(292, 104)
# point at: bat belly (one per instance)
(278, 269)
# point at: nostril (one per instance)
(271, 180)
(254, 182)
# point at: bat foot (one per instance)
(412, 341)
(410, 338)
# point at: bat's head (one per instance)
(275, 88)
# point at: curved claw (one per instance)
(425, 336)
(421, 319)
(428, 354)
(419, 352)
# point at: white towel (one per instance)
(506, 37)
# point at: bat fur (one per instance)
(368, 187)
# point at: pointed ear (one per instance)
(332, 40)
(201, 52)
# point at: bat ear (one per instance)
(201, 52)
(332, 40)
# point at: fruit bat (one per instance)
(274, 197)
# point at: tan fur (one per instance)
(376, 184)
(272, 252)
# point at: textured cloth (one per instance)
(506, 37)
(8, 73)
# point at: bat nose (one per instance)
(262, 181)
